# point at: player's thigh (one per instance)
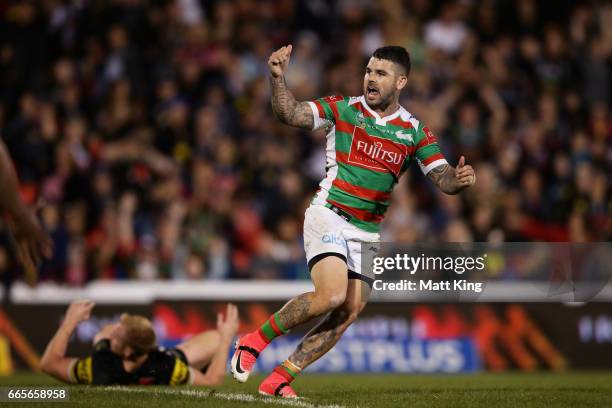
(330, 278)
(362, 248)
(326, 251)
(200, 349)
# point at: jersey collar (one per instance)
(381, 121)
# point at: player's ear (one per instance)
(401, 82)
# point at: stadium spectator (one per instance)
(145, 125)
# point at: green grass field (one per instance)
(576, 390)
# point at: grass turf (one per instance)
(582, 389)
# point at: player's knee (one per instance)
(352, 316)
(342, 318)
(330, 300)
(352, 311)
(336, 299)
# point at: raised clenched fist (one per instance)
(279, 60)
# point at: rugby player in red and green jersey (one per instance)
(371, 141)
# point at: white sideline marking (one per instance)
(224, 395)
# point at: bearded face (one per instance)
(382, 82)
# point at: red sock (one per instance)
(255, 340)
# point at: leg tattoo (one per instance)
(297, 311)
(321, 338)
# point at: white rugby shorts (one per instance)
(328, 234)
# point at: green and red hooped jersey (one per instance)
(366, 155)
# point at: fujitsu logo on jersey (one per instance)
(376, 153)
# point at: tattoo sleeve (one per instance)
(286, 108)
(320, 339)
(296, 311)
(444, 178)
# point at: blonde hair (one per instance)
(139, 334)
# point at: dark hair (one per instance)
(396, 54)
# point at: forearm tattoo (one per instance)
(321, 338)
(286, 108)
(444, 178)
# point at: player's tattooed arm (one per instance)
(284, 105)
(286, 108)
(452, 180)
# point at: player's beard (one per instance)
(379, 100)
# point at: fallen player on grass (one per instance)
(127, 353)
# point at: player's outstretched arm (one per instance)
(31, 241)
(227, 328)
(54, 362)
(284, 105)
(452, 180)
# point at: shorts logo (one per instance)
(332, 238)
(376, 153)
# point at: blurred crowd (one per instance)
(142, 129)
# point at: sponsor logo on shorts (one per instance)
(334, 239)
